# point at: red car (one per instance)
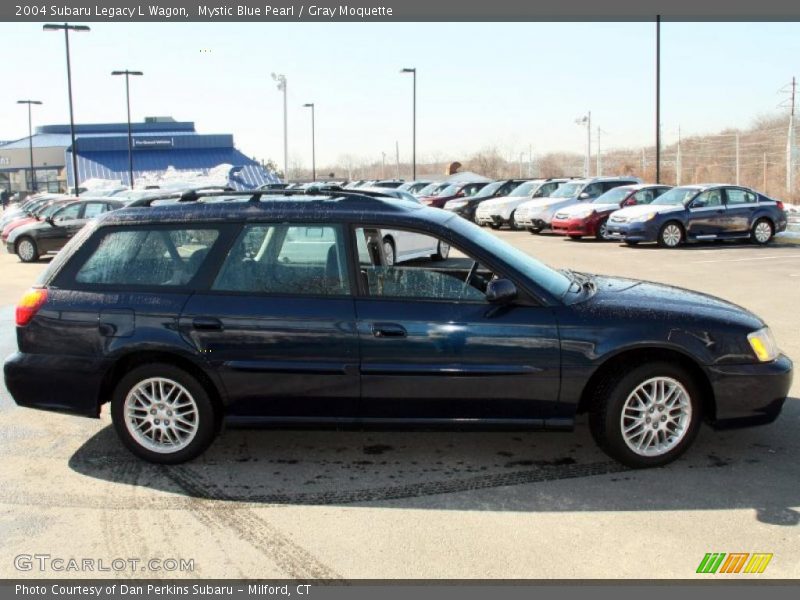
(452, 191)
(589, 218)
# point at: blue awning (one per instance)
(248, 174)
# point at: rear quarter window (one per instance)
(149, 257)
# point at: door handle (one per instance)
(207, 324)
(388, 330)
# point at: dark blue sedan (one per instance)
(700, 213)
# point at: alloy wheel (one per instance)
(26, 251)
(671, 235)
(388, 253)
(656, 416)
(762, 232)
(161, 415)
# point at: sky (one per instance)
(512, 86)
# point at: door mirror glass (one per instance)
(501, 291)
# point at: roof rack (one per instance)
(255, 195)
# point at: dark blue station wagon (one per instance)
(279, 309)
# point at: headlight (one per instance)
(643, 218)
(763, 345)
(588, 212)
(455, 204)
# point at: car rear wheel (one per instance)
(533, 230)
(646, 416)
(442, 251)
(494, 225)
(670, 235)
(512, 222)
(27, 251)
(389, 252)
(762, 232)
(162, 414)
(602, 230)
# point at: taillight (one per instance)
(29, 305)
(779, 204)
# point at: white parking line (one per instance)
(773, 257)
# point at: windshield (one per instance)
(525, 189)
(551, 280)
(679, 195)
(49, 210)
(567, 190)
(612, 196)
(450, 190)
(489, 189)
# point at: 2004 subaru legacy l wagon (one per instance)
(267, 309)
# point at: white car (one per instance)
(501, 211)
(536, 215)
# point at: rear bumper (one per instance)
(748, 395)
(56, 383)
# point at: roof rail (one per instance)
(255, 195)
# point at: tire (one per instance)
(494, 226)
(442, 251)
(670, 235)
(512, 222)
(27, 250)
(534, 230)
(389, 252)
(762, 232)
(616, 393)
(199, 418)
(631, 242)
(575, 238)
(602, 234)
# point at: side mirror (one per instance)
(50, 221)
(629, 202)
(698, 204)
(501, 291)
(460, 194)
(584, 196)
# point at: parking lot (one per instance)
(376, 504)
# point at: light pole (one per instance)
(658, 99)
(587, 120)
(30, 139)
(313, 143)
(413, 71)
(67, 28)
(281, 81)
(127, 74)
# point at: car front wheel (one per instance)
(162, 414)
(762, 232)
(670, 235)
(442, 251)
(27, 251)
(646, 416)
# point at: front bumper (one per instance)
(748, 395)
(55, 383)
(632, 232)
(462, 211)
(573, 227)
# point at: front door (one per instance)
(278, 323)
(707, 216)
(433, 348)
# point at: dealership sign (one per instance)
(153, 142)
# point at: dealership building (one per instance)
(160, 146)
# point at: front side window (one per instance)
(151, 257)
(286, 259)
(94, 209)
(457, 279)
(68, 213)
(711, 198)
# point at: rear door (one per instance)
(740, 205)
(278, 323)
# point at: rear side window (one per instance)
(737, 196)
(286, 259)
(160, 257)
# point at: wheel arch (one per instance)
(137, 358)
(626, 358)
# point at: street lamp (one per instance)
(587, 120)
(313, 150)
(414, 124)
(67, 28)
(281, 81)
(30, 139)
(127, 74)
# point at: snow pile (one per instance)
(173, 178)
